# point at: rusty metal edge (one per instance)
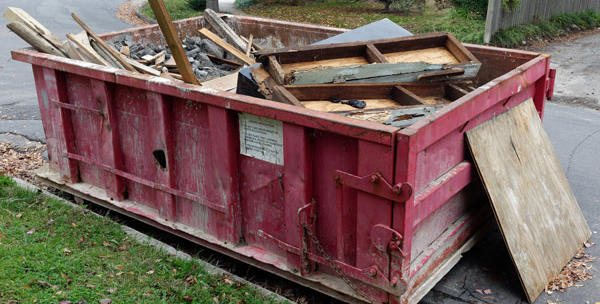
(143, 238)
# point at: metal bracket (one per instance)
(306, 217)
(375, 184)
(386, 239)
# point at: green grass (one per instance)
(178, 9)
(51, 252)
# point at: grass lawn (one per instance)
(51, 252)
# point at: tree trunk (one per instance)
(213, 5)
(387, 5)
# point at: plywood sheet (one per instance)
(328, 106)
(435, 55)
(322, 64)
(541, 222)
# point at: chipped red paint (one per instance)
(168, 153)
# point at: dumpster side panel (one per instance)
(45, 109)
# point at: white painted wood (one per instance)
(541, 222)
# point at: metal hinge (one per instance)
(387, 240)
(375, 184)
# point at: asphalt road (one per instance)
(573, 126)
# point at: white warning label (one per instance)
(261, 138)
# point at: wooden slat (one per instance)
(71, 51)
(103, 44)
(224, 30)
(34, 39)
(83, 42)
(405, 97)
(142, 68)
(223, 60)
(542, 225)
(15, 14)
(373, 55)
(249, 47)
(282, 95)
(226, 46)
(109, 58)
(225, 83)
(173, 41)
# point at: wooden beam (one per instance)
(226, 46)
(103, 44)
(15, 14)
(34, 39)
(173, 41)
(109, 58)
(142, 68)
(223, 60)
(275, 70)
(224, 30)
(71, 51)
(281, 94)
(225, 83)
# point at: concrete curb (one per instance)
(138, 12)
(143, 238)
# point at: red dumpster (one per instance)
(355, 209)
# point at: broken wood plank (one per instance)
(142, 68)
(255, 46)
(444, 73)
(225, 83)
(171, 63)
(34, 39)
(224, 30)
(82, 41)
(249, 48)
(538, 215)
(72, 53)
(173, 41)
(109, 50)
(125, 51)
(226, 46)
(15, 14)
(275, 70)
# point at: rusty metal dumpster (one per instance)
(355, 209)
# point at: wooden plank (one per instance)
(142, 68)
(225, 83)
(226, 46)
(373, 55)
(224, 30)
(275, 70)
(82, 41)
(541, 222)
(15, 14)
(109, 58)
(173, 41)
(101, 43)
(34, 39)
(439, 75)
(328, 106)
(323, 64)
(71, 51)
(223, 60)
(249, 48)
(405, 97)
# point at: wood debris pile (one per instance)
(578, 270)
(191, 61)
(20, 162)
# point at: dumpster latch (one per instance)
(374, 183)
(550, 84)
(387, 239)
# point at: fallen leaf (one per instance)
(119, 273)
(104, 256)
(49, 222)
(150, 271)
(66, 251)
(82, 301)
(65, 302)
(105, 301)
(487, 291)
(30, 231)
(112, 290)
(587, 244)
(19, 215)
(74, 225)
(227, 281)
(105, 243)
(123, 248)
(479, 291)
(120, 267)
(81, 240)
(187, 299)
(90, 286)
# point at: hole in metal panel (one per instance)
(161, 158)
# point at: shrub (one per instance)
(404, 5)
(198, 5)
(245, 3)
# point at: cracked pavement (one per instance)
(572, 121)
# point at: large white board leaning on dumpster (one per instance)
(541, 222)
